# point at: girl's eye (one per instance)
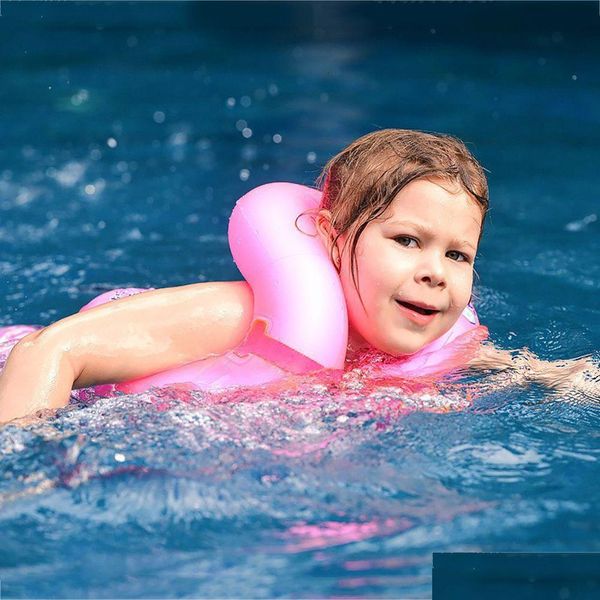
(458, 256)
(406, 241)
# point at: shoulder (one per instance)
(224, 298)
(219, 314)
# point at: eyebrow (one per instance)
(424, 230)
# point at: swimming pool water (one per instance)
(128, 133)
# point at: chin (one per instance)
(404, 348)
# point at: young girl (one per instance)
(402, 214)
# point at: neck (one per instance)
(356, 343)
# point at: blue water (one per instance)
(128, 132)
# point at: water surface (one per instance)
(129, 131)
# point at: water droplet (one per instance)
(178, 138)
(230, 102)
(24, 196)
(245, 101)
(133, 234)
(311, 157)
(111, 142)
(247, 132)
(240, 124)
(92, 189)
(159, 116)
(277, 138)
(244, 174)
(119, 457)
(68, 175)
(80, 97)
(581, 224)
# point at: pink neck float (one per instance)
(300, 320)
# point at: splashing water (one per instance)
(336, 474)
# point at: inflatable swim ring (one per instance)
(300, 318)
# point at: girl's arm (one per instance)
(122, 340)
(524, 367)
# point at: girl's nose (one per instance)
(431, 272)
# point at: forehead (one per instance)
(437, 204)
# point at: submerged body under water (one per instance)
(320, 488)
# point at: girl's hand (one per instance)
(559, 374)
(523, 367)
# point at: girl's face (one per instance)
(414, 267)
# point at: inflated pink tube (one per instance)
(297, 291)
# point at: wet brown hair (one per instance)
(360, 182)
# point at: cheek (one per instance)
(350, 292)
(370, 278)
(462, 289)
(378, 265)
(360, 306)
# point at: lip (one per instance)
(419, 304)
(417, 317)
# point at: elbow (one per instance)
(36, 376)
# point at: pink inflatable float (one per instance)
(300, 318)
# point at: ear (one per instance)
(327, 233)
(325, 229)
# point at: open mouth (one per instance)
(418, 309)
